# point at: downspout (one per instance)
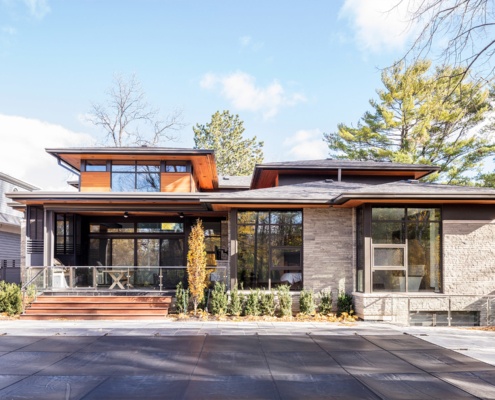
(69, 168)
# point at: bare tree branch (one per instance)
(126, 111)
(457, 32)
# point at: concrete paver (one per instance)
(215, 360)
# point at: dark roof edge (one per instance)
(345, 197)
(403, 167)
(127, 150)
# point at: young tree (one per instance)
(422, 118)
(126, 112)
(196, 264)
(234, 155)
(463, 29)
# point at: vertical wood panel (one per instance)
(95, 181)
(176, 182)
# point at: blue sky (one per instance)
(291, 70)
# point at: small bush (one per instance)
(284, 301)
(344, 303)
(252, 303)
(307, 302)
(236, 302)
(219, 299)
(325, 306)
(181, 299)
(267, 303)
(10, 298)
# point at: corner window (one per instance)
(405, 254)
(96, 166)
(175, 167)
(135, 176)
(269, 249)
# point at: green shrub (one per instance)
(306, 302)
(267, 303)
(236, 302)
(10, 298)
(344, 303)
(219, 299)
(252, 303)
(284, 301)
(181, 298)
(325, 306)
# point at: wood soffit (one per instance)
(204, 166)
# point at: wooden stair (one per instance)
(98, 307)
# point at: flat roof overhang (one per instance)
(113, 203)
(202, 161)
(266, 175)
(355, 200)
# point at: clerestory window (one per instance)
(138, 176)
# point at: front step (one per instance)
(98, 307)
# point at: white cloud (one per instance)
(37, 8)
(379, 25)
(9, 30)
(245, 40)
(241, 90)
(248, 42)
(22, 151)
(306, 145)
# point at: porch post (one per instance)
(48, 238)
(233, 248)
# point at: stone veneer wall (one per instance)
(469, 257)
(329, 250)
(468, 276)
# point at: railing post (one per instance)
(160, 285)
(449, 316)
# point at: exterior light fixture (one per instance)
(181, 215)
(126, 214)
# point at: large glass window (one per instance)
(405, 249)
(140, 176)
(269, 249)
(64, 234)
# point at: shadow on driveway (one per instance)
(238, 367)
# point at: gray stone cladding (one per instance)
(329, 250)
(469, 257)
(468, 279)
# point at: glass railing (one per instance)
(144, 278)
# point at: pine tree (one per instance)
(422, 118)
(234, 154)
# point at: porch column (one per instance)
(48, 236)
(233, 247)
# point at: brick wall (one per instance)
(329, 250)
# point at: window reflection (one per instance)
(394, 236)
(269, 248)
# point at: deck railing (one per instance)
(143, 278)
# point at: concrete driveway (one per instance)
(210, 360)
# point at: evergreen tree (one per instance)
(422, 118)
(234, 154)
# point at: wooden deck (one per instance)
(84, 307)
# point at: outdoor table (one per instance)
(117, 275)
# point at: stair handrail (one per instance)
(25, 286)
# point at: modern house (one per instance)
(409, 252)
(10, 229)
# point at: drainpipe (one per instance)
(72, 170)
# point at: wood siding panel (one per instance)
(176, 182)
(95, 181)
